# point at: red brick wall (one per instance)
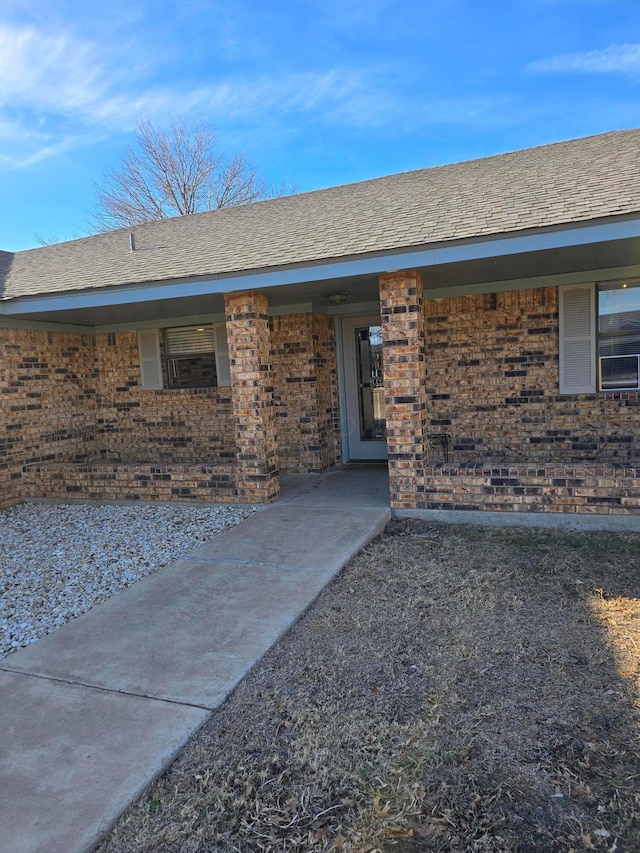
(188, 425)
(577, 489)
(196, 425)
(491, 366)
(73, 397)
(326, 364)
(492, 383)
(405, 392)
(47, 401)
(103, 481)
(305, 392)
(250, 356)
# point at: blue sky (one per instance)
(316, 92)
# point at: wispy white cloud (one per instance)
(55, 149)
(60, 92)
(61, 74)
(615, 59)
(45, 70)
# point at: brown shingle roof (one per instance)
(560, 184)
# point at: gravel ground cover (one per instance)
(454, 689)
(58, 561)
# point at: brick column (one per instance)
(404, 386)
(249, 340)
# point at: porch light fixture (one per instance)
(338, 298)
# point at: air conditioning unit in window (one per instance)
(620, 372)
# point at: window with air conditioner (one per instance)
(600, 337)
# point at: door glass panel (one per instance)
(370, 383)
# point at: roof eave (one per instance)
(374, 263)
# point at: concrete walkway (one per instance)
(95, 711)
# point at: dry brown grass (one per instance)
(455, 689)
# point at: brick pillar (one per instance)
(252, 393)
(404, 386)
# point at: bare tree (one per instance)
(46, 239)
(51, 239)
(174, 172)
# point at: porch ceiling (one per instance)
(602, 260)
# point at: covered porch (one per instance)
(447, 369)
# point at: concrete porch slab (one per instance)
(301, 534)
(366, 488)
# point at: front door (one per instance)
(364, 388)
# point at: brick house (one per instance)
(476, 324)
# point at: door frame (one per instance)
(348, 389)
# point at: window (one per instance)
(194, 357)
(600, 337)
(619, 335)
(190, 356)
